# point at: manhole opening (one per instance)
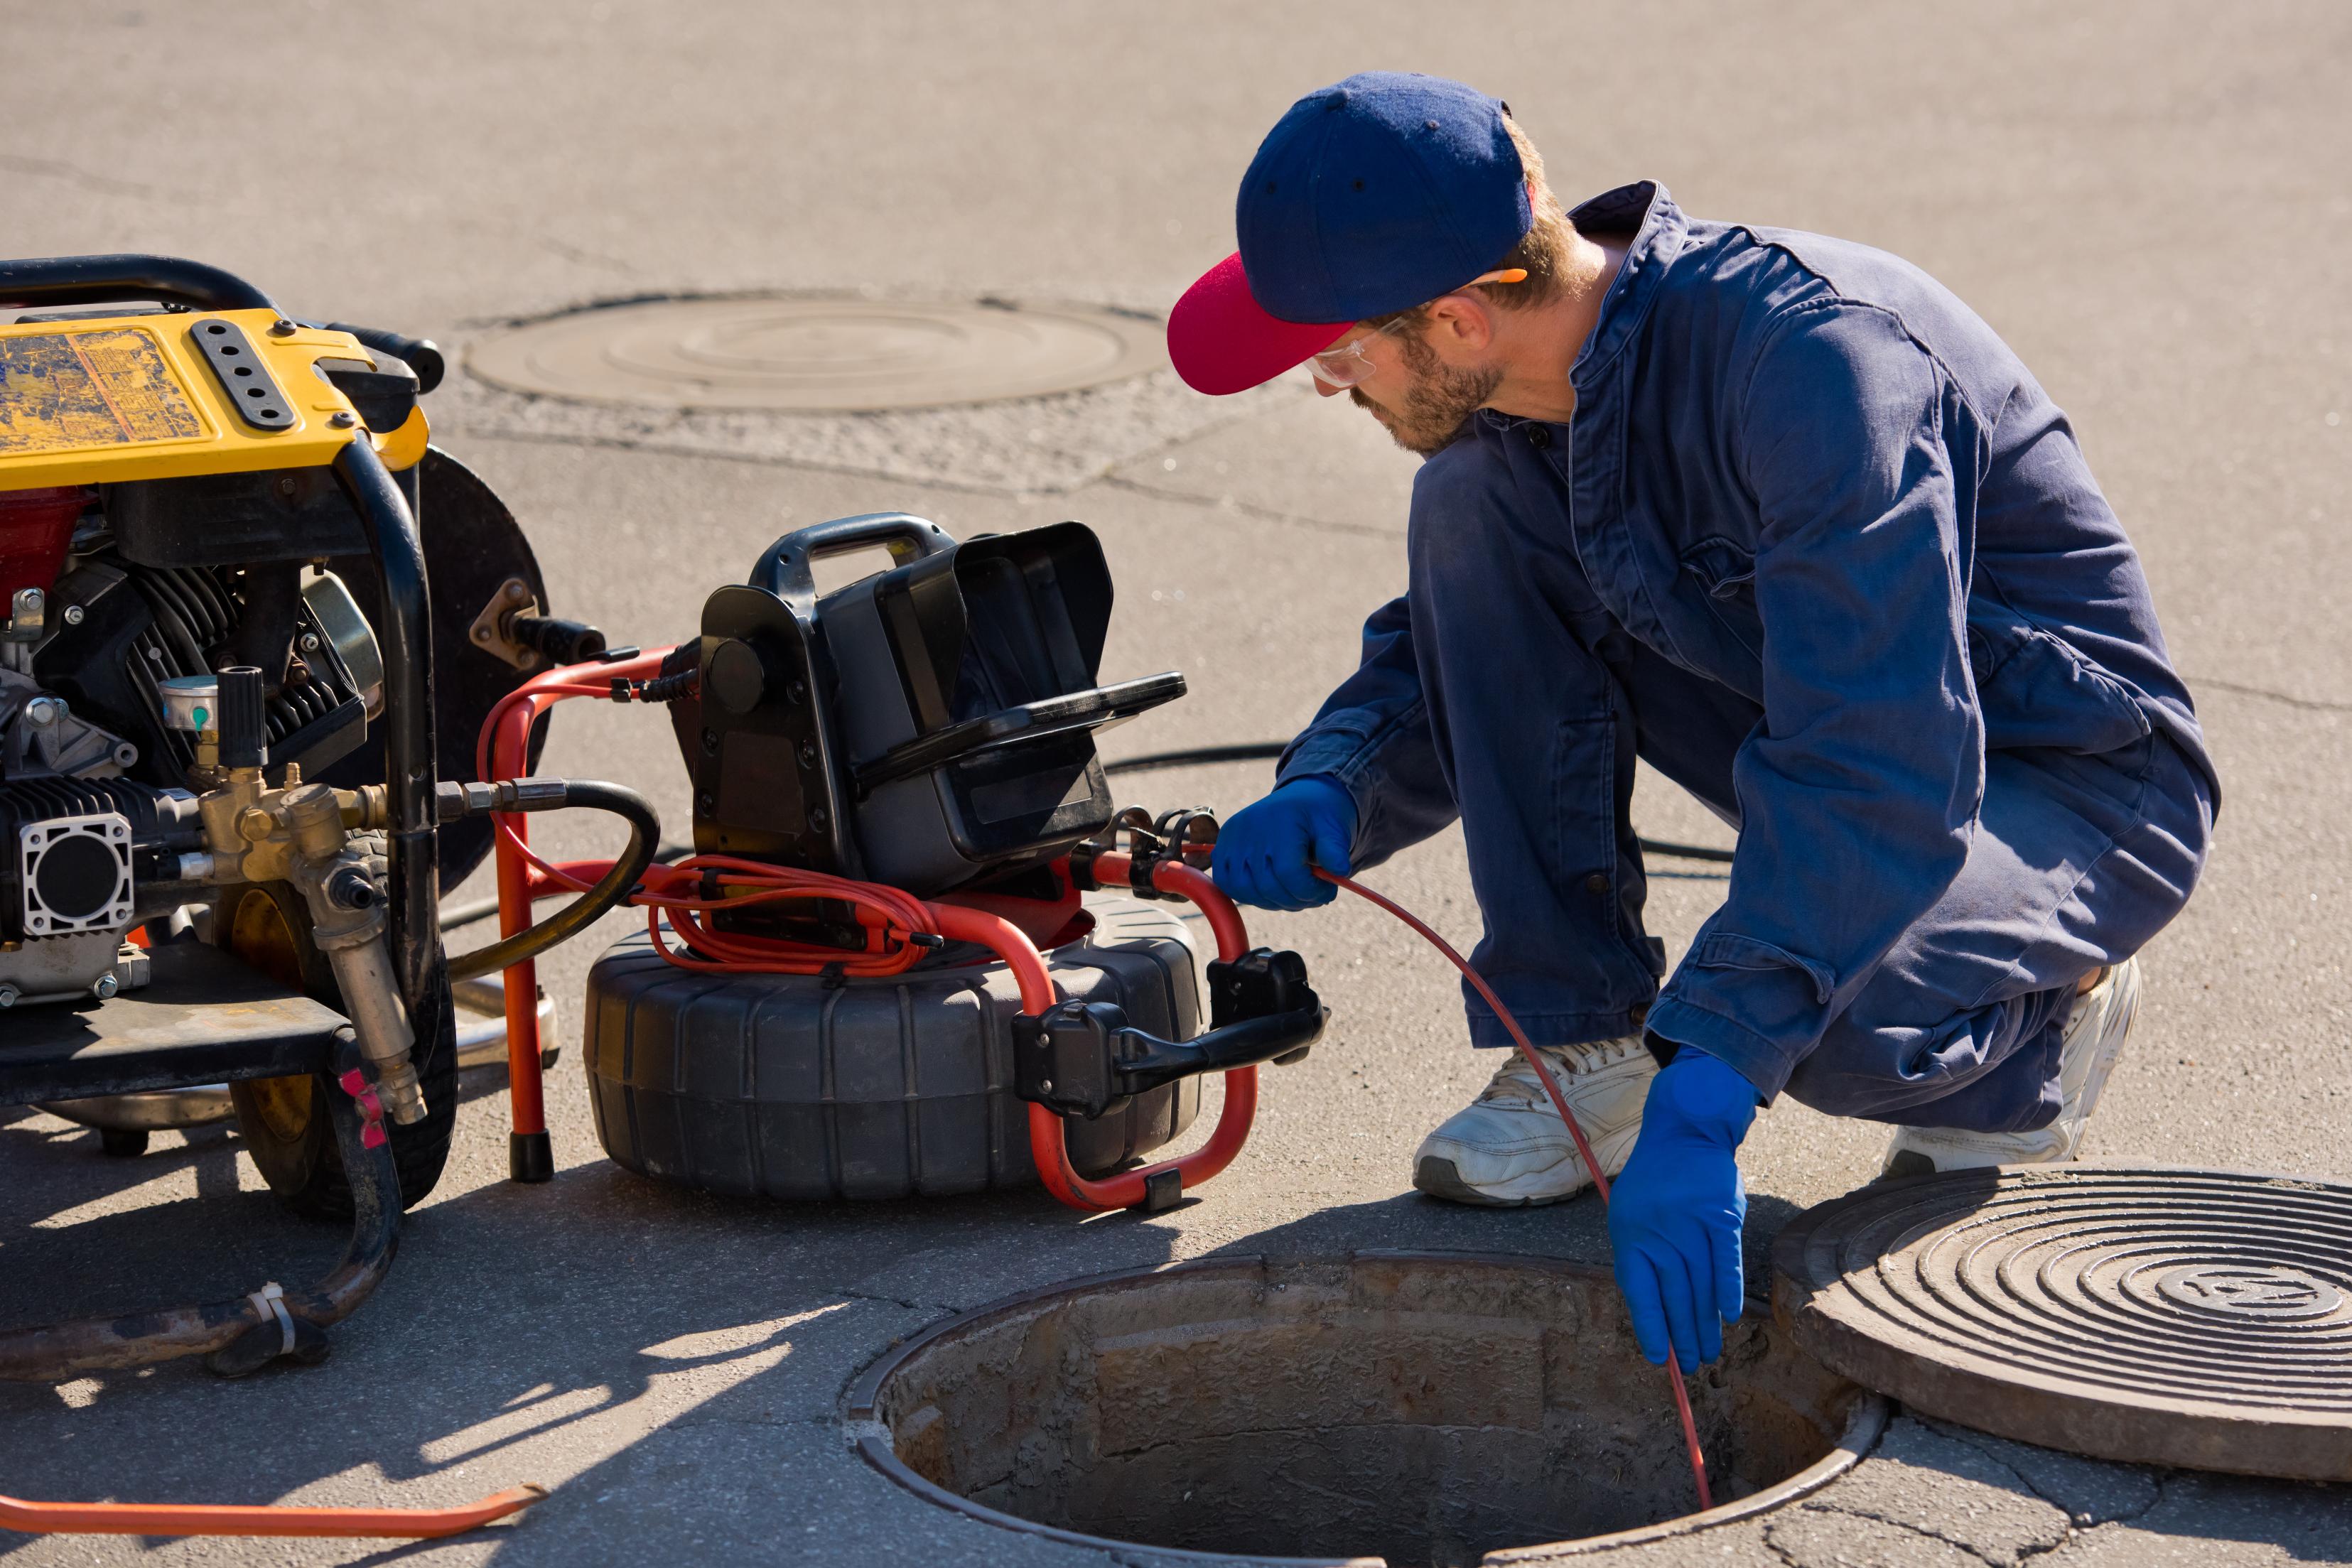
(1423, 1408)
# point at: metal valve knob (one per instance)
(244, 732)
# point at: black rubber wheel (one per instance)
(283, 1121)
(123, 1142)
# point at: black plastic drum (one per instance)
(779, 1086)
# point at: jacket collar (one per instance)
(1659, 229)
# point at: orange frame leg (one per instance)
(1047, 1146)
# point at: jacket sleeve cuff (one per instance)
(1328, 753)
(1389, 814)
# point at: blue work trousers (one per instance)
(2076, 860)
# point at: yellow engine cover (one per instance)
(108, 398)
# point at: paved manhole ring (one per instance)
(2163, 1315)
(1423, 1407)
(818, 353)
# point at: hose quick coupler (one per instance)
(367, 808)
(452, 801)
(560, 641)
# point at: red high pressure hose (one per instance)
(1543, 1076)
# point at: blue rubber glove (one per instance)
(1267, 854)
(1674, 1213)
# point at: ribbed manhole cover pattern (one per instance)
(819, 354)
(2183, 1317)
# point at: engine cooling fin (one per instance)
(2153, 1314)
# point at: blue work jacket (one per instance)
(1803, 469)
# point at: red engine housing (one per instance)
(35, 529)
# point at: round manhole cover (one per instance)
(2176, 1317)
(818, 354)
(1417, 1407)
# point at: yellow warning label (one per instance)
(62, 391)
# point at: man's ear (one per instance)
(1461, 326)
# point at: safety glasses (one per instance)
(1348, 365)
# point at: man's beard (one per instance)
(1437, 402)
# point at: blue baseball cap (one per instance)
(1374, 194)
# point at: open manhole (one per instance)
(1423, 1408)
(2162, 1315)
(818, 353)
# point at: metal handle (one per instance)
(422, 355)
(97, 280)
(783, 568)
(1097, 708)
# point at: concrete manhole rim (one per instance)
(1865, 1423)
(1813, 1294)
(492, 357)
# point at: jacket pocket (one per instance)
(2037, 691)
(1721, 566)
(1727, 570)
(1730, 950)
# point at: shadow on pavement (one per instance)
(536, 1334)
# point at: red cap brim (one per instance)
(1222, 341)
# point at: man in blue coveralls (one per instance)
(1779, 514)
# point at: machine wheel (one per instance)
(283, 1121)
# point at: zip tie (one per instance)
(271, 1300)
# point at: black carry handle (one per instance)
(1097, 707)
(1084, 1058)
(422, 355)
(783, 568)
(99, 279)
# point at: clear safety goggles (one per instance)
(1348, 365)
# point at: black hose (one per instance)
(474, 911)
(1265, 750)
(54, 1352)
(645, 835)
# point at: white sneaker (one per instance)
(1510, 1148)
(2093, 1038)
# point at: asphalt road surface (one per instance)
(2149, 200)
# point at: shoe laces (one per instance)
(1516, 1081)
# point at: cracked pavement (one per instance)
(2141, 195)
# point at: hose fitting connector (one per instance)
(452, 801)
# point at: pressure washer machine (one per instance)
(222, 824)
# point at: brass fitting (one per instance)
(300, 834)
(367, 808)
